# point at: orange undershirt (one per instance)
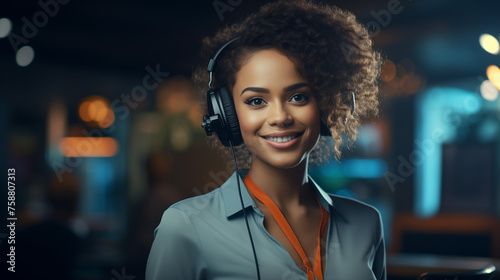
(285, 227)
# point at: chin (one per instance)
(284, 161)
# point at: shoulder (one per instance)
(352, 204)
(185, 220)
(206, 209)
(177, 251)
(195, 207)
(355, 211)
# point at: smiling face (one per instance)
(278, 111)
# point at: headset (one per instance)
(223, 120)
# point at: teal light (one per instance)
(355, 168)
(98, 174)
(440, 111)
(488, 130)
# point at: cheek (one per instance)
(311, 117)
(249, 121)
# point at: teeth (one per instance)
(281, 139)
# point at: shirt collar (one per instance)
(231, 196)
(324, 198)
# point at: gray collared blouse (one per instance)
(205, 237)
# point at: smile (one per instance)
(282, 139)
(283, 142)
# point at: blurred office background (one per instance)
(100, 120)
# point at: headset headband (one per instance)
(211, 63)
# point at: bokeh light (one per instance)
(489, 43)
(88, 146)
(95, 110)
(83, 111)
(488, 90)
(388, 71)
(400, 79)
(180, 138)
(195, 113)
(25, 56)
(175, 95)
(5, 27)
(493, 74)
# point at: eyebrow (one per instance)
(265, 90)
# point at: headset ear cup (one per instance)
(231, 117)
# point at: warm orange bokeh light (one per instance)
(195, 114)
(175, 95)
(106, 118)
(96, 110)
(96, 107)
(493, 73)
(388, 71)
(83, 111)
(401, 78)
(88, 146)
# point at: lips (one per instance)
(282, 140)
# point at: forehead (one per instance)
(268, 67)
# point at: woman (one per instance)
(292, 71)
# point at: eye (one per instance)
(255, 101)
(299, 97)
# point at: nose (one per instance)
(279, 116)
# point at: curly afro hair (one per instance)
(333, 52)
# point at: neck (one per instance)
(288, 188)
